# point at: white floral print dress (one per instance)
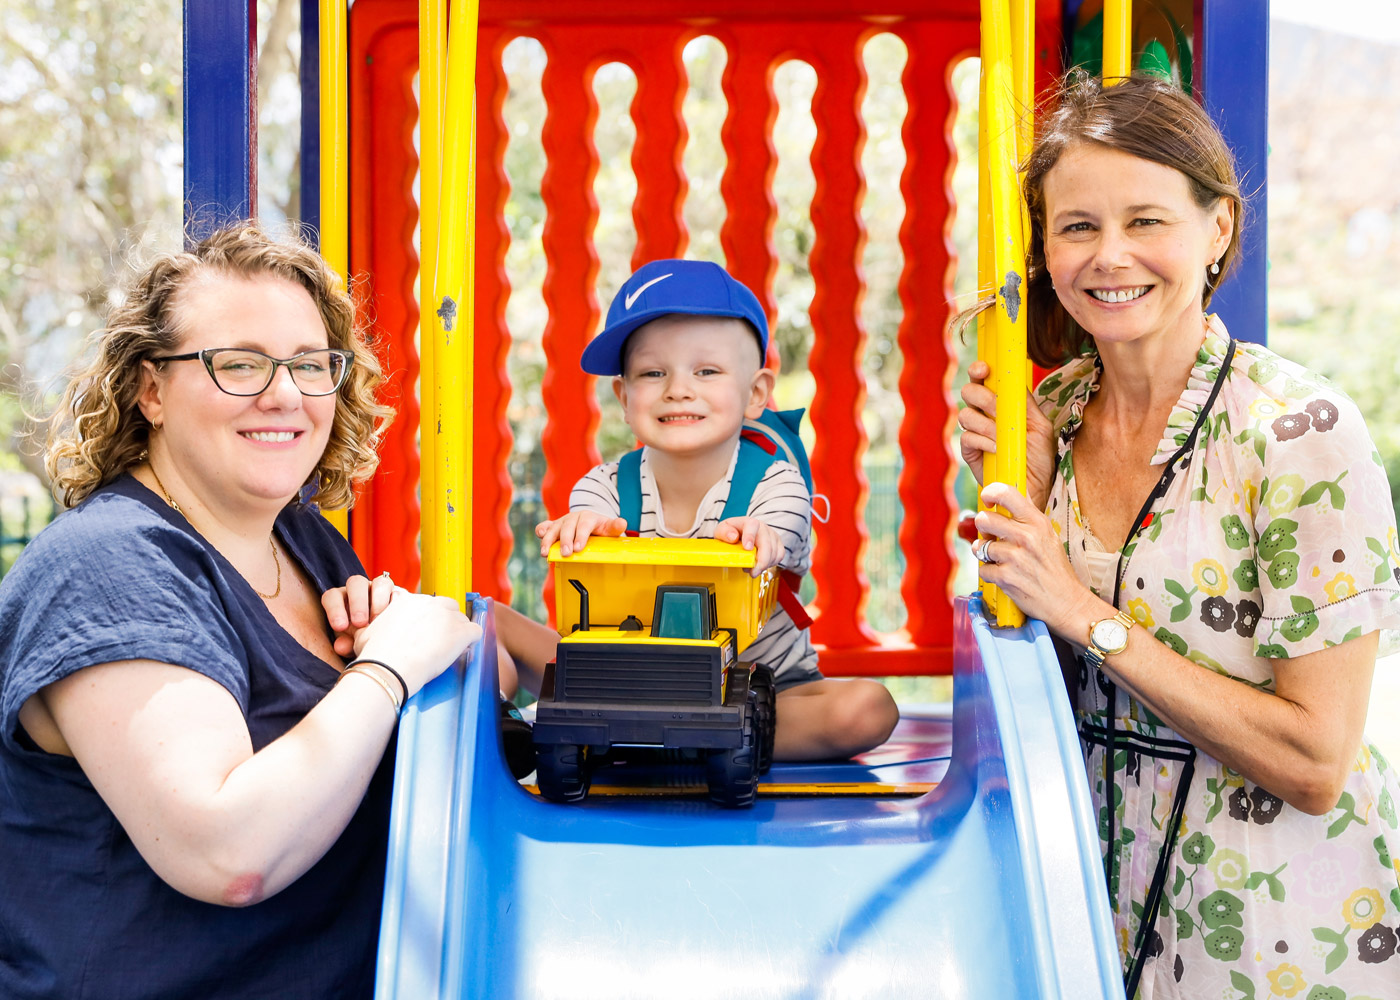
(1274, 537)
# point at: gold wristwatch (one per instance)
(1108, 636)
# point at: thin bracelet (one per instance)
(403, 687)
(383, 685)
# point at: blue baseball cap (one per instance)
(665, 288)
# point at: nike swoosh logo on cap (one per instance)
(627, 302)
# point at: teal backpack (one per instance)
(772, 437)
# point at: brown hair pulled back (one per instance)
(98, 431)
(1144, 117)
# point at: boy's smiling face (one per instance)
(688, 382)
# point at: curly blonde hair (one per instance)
(98, 431)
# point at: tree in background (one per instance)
(1334, 218)
(90, 172)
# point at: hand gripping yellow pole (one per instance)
(335, 171)
(1008, 350)
(432, 51)
(1117, 39)
(452, 314)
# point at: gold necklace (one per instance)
(163, 491)
(276, 561)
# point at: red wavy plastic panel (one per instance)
(491, 434)
(926, 286)
(383, 268)
(570, 216)
(838, 339)
(658, 211)
(747, 185)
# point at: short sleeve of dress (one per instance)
(109, 581)
(1324, 527)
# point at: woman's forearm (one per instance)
(1297, 742)
(282, 808)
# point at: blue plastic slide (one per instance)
(988, 886)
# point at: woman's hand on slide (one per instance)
(418, 635)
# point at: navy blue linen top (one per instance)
(123, 576)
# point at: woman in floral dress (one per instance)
(1229, 507)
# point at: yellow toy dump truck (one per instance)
(664, 669)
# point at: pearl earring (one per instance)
(1215, 267)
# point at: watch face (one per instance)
(1110, 635)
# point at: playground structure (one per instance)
(377, 164)
(493, 893)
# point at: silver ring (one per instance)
(383, 576)
(983, 552)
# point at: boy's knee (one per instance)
(867, 714)
(882, 712)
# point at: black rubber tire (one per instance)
(517, 742)
(732, 774)
(562, 771)
(765, 700)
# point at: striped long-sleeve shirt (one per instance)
(781, 500)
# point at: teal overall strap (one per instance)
(629, 489)
(749, 468)
(757, 453)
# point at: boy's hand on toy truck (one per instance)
(753, 534)
(572, 530)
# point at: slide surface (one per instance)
(989, 885)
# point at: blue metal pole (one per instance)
(311, 121)
(1235, 51)
(221, 114)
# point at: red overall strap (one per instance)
(762, 440)
(788, 584)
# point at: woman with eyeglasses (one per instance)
(198, 716)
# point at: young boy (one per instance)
(685, 344)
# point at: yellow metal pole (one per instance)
(335, 170)
(1117, 39)
(432, 51)
(1023, 72)
(1009, 260)
(987, 324)
(1023, 56)
(453, 313)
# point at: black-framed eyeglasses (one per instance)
(242, 372)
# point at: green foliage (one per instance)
(1334, 223)
(90, 171)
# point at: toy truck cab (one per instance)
(664, 671)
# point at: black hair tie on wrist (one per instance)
(403, 686)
